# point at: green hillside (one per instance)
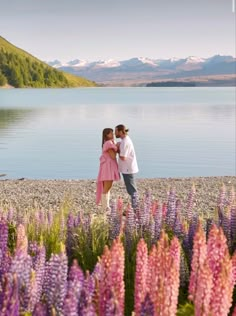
(20, 69)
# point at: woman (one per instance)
(108, 171)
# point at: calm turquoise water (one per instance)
(177, 132)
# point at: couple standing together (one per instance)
(110, 170)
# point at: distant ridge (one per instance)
(139, 71)
(20, 69)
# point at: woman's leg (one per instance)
(107, 186)
(106, 194)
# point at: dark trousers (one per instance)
(130, 186)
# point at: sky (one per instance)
(122, 29)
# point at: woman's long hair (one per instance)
(105, 132)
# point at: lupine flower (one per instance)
(141, 275)
(203, 290)
(221, 298)
(232, 196)
(163, 275)
(170, 217)
(198, 260)
(233, 224)
(22, 240)
(55, 286)
(190, 203)
(234, 267)
(114, 221)
(130, 227)
(221, 202)
(184, 270)
(158, 222)
(40, 310)
(3, 237)
(234, 312)
(9, 303)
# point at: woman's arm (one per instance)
(112, 153)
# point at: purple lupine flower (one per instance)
(21, 265)
(221, 203)
(55, 285)
(40, 310)
(39, 267)
(190, 203)
(70, 306)
(192, 229)
(9, 301)
(3, 237)
(232, 196)
(75, 279)
(226, 225)
(147, 307)
(112, 306)
(10, 215)
(233, 223)
(130, 227)
(170, 216)
(178, 222)
(158, 222)
(151, 229)
(184, 270)
(114, 221)
(86, 306)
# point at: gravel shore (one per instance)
(25, 194)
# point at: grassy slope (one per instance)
(73, 80)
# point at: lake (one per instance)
(177, 132)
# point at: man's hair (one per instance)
(122, 128)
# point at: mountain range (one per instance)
(217, 70)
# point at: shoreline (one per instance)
(28, 193)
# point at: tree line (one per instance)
(21, 71)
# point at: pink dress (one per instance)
(108, 168)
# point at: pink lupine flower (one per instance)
(234, 267)
(22, 240)
(198, 259)
(221, 298)
(203, 290)
(141, 275)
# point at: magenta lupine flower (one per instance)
(198, 259)
(10, 304)
(22, 240)
(33, 299)
(119, 205)
(147, 307)
(55, 283)
(203, 290)
(141, 275)
(190, 203)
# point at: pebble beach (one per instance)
(25, 194)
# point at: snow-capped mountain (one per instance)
(145, 69)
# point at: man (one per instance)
(127, 162)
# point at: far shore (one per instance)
(26, 193)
